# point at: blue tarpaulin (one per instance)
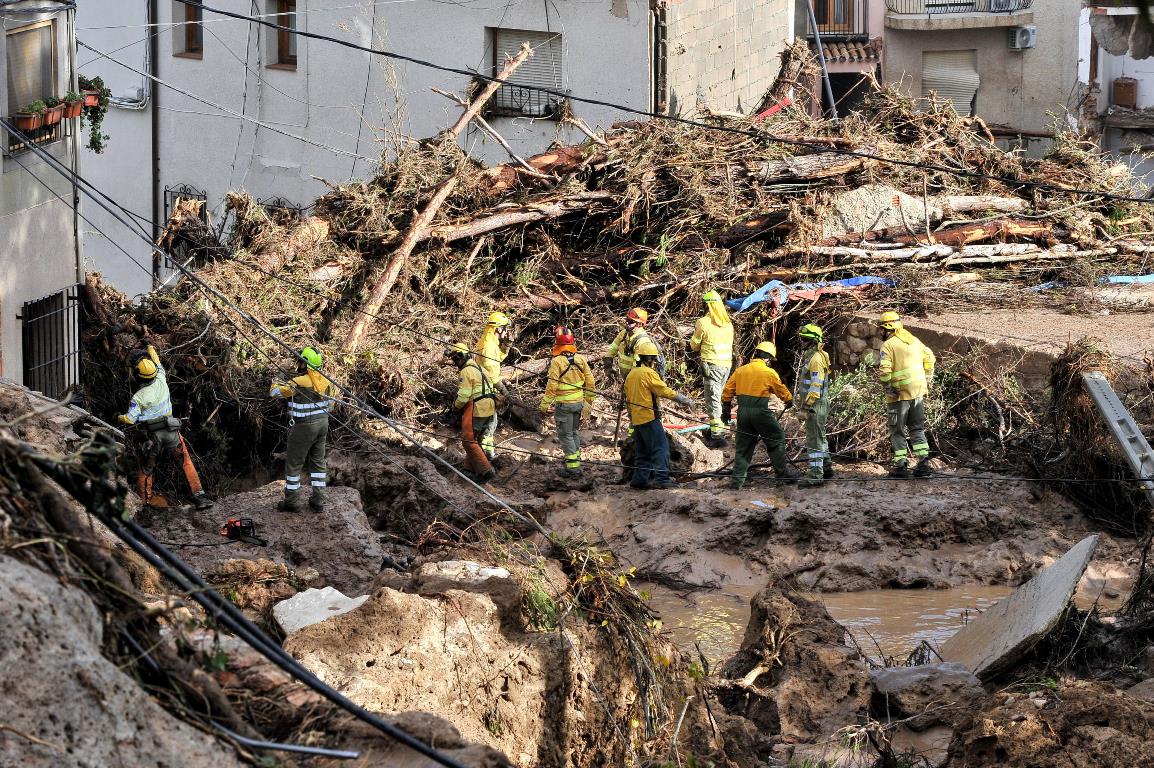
(1111, 280)
(779, 292)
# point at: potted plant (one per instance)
(54, 110)
(94, 113)
(73, 104)
(30, 117)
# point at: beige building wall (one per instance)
(1017, 88)
(724, 54)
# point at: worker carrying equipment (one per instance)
(643, 387)
(906, 371)
(812, 395)
(477, 403)
(623, 348)
(310, 401)
(750, 386)
(569, 393)
(493, 347)
(151, 410)
(713, 339)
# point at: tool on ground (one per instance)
(242, 529)
(617, 426)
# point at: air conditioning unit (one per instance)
(1003, 5)
(1022, 38)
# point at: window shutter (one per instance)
(541, 70)
(952, 75)
(30, 65)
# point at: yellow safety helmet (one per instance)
(810, 331)
(646, 348)
(146, 368)
(458, 349)
(498, 319)
(890, 321)
(769, 348)
(312, 358)
(637, 315)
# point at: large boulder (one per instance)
(923, 696)
(66, 706)
(876, 206)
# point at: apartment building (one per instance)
(851, 33)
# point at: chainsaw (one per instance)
(242, 529)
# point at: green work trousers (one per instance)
(568, 419)
(907, 424)
(756, 422)
(485, 431)
(306, 452)
(816, 442)
(715, 377)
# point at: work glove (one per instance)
(727, 413)
(587, 410)
(123, 419)
(546, 408)
(683, 400)
(811, 399)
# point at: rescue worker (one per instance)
(751, 385)
(906, 370)
(477, 404)
(151, 410)
(569, 393)
(623, 349)
(490, 351)
(310, 399)
(813, 395)
(643, 387)
(713, 340)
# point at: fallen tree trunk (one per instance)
(521, 214)
(808, 167)
(796, 64)
(964, 234)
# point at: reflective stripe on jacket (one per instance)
(755, 380)
(813, 384)
(714, 342)
(152, 401)
(905, 367)
(624, 348)
(309, 397)
(570, 380)
(643, 386)
(476, 388)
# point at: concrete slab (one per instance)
(1000, 636)
(312, 607)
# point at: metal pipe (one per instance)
(340, 754)
(154, 71)
(821, 58)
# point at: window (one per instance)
(286, 41)
(188, 34)
(31, 64)
(541, 70)
(952, 75)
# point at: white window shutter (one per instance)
(541, 70)
(952, 75)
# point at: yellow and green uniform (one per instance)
(905, 370)
(309, 403)
(713, 340)
(489, 355)
(570, 387)
(643, 387)
(813, 392)
(750, 387)
(477, 388)
(624, 348)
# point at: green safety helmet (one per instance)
(709, 296)
(810, 331)
(312, 358)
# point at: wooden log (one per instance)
(796, 63)
(756, 227)
(976, 232)
(521, 214)
(807, 167)
(556, 162)
(308, 234)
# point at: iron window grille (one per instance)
(50, 335)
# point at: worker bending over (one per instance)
(751, 385)
(569, 394)
(906, 370)
(310, 400)
(813, 395)
(713, 339)
(477, 404)
(151, 410)
(643, 387)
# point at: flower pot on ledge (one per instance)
(29, 121)
(54, 115)
(91, 98)
(73, 108)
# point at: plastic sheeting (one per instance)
(780, 293)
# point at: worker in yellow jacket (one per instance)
(750, 387)
(812, 395)
(906, 371)
(713, 340)
(643, 388)
(623, 348)
(569, 393)
(476, 402)
(493, 347)
(310, 400)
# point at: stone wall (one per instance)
(859, 342)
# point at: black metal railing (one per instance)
(840, 19)
(50, 332)
(957, 6)
(518, 101)
(19, 142)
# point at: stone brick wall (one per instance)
(724, 54)
(860, 342)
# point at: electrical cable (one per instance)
(765, 136)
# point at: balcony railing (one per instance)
(957, 6)
(18, 143)
(840, 19)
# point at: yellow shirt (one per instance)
(489, 355)
(905, 368)
(623, 348)
(811, 386)
(476, 387)
(714, 342)
(643, 386)
(755, 379)
(569, 383)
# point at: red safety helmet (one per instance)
(563, 335)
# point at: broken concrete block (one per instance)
(923, 696)
(1141, 39)
(995, 640)
(876, 206)
(1112, 32)
(312, 607)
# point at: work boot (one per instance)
(486, 477)
(812, 480)
(787, 475)
(827, 469)
(923, 468)
(900, 470)
(200, 501)
(316, 507)
(640, 486)
(663, 484)
(288, 506)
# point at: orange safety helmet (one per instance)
(637, 315)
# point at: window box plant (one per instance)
(30, 117)
(73, 104)
(94, 114)
(53, 110)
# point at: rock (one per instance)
(857, 345)
(1112, 32)
(875, 206)
(60, 690)
(313, 606)
(1145, 661)
(440, 577)
(997, 638)
(1143, 690)
(831, 754)
(1141, 39)
(924, 696)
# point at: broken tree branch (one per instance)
(520, 214)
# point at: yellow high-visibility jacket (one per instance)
(906, 367)
(489, 355)
(643, 386)
(152, 401)
(309, 396)
(755, 379)
(812, 385)
(570, 380)
(624, 348)
(475, 387)
(714, 342)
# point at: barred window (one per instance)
(519, 97)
